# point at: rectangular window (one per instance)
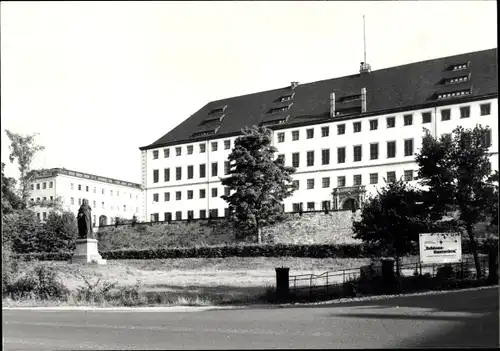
(44, 198)
(227, 167)
(155, 154)
(295, 135)
(156, 176)
(391, 177)
(167, 216)
(310, 158)
(281, 158)
(190, 194)
(295, 184)
(341, 155)
(190, 149)
(486, 138)
(374, 151)
(295, 159)
(178, 195)
(340, 129)
(325, 157)
(51, 185)
(357, 179)
(87, 189)
(38, 215)
(465, 112)
(72, 200)
(325, 182)
(214, 213)
(357, 153)
(111, 192)
(373, 178)
(409, 147)
(203, 214)
(356, 126)
(166, 196)
(156, 198)
(166, 153)
(178, 215)
(214, 192)
(44, 185)
(310, 206)
(79, 187)
(214, 169)
(202, 170)
(325, 205)
(45, 216)
(227, 191)
(408, 120)
(95, 189)
(281, 137)
(341, 181)
(214, 146)
(227, 144)
(178, 151)
(374, 124)
(310, 133)
(445, 114)
(485, 109)
(166, 174)
(190, 172)
(226, 212)
(156, 217)
(426, 117)
(102, 204)
(391, 149)
(52, 198)
(202, 193)
(203, 148)
(325, 131)
(102, 191)
(178, 173)
(310, 184)
(408, 175)
(296, 207)
(38, 187)
(32, 187)
(391, 122)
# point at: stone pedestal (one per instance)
(86, 252)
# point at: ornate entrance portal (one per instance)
(348, 198)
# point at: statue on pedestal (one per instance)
(85, 221)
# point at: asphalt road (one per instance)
(457, 319)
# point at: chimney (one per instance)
(294, 85)
(332, 105)
(364, 68)
(363, 100)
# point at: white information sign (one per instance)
(440, 247)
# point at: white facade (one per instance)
(108, 198)
(157, 204)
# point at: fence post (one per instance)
(327, 282)
(310, 285)
(282, 282)
(343, 275)
(420, 268)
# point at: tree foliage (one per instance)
(59, 232)
(10, 200)
(22, 229)
(259, 182)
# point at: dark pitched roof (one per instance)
(406, 86)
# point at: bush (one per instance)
(10, 269)
(94, 292)
(132, 295)
(45, 256)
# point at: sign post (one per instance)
(440, 248)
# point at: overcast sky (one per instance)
(98, 80)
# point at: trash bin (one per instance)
(282, 282)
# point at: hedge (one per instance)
(45, 256)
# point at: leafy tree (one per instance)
(21, 229)
(392, 220)
(23, 148)
(59, 232)
(457, 175)
(260, 183)
(10, 200)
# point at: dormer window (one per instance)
(274, 122)
(217, 111)
(279, 109)
(454, 94)
(205, 132)
(460, 79)
(286, 98)
(460, 66)
(351, 98)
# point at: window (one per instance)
(214, 213)
(325, 156)
(227, 167)
(325, 182)
(446, 136)
(51, 185)
(156, 198)
(485, 109)
(111, 192)
(190, 194)
(166, 196)
(391, 177)
(295, 159)
(310, 133)
(325, 205)
(356, 126)
(310, 184)
(374, 124)
(166, 174)
(214, 169)
(38, 215)
(190, 149)
(102, 191)
(202, 193)
(408, 175)
(203, 148)
(167, 216)
(178, 173)
(156, 176)
(310, 158)
(44, 198)
(214, 192)
(93, 202)
(45, 216)
(72, 200)
(227, 144)
(79, 186)
(214, 146)
(460, 67)
(202, 170)
(281, 137)
(296, 207)
(341, 181)
(325, 131)
(374, 151)
(95, 190)
(178, 215)
(341, 155)
(295, 135)
(486, 138)
(408, 120)
(37, 199)
(38, 187)
(409, 147)
(155, 217)
(391, 122)
(357, 179)
(445, 114)
(102, 204)
(178, 195)
(340, 129)
(281, 158)
(44, 185)
(87, 188)
(226, 212)
(426, 117)
(166, 153)
(227, 191)
(465, 112)
(155, 154)
(357, 153)
(295, 184)
(203, 214)
(178, 151)
(32, 187)
(373, 178)
(391, 149)
(310, 206)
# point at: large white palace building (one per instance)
(345, 136)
